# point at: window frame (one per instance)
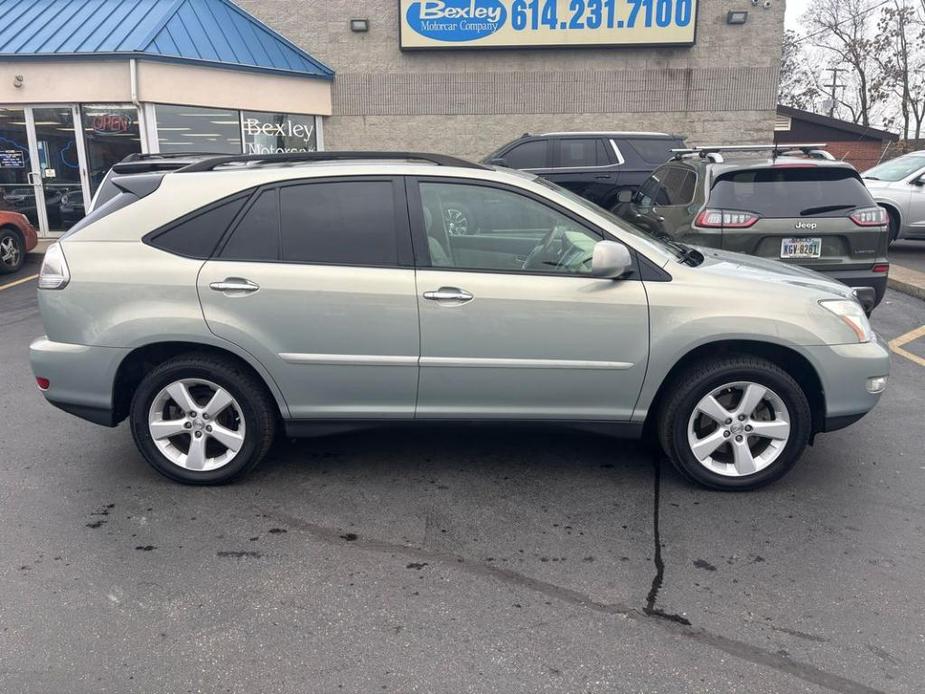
(403, 241)
(422, 248)
(612, 153)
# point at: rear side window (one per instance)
(579, 152)
(654, 151)
(653, 191)
(803, 191)
(679, 186)
(196, 235)
(256, 237)
(529, 155)
(342, 222)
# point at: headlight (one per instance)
(852, 315)
(54, 273)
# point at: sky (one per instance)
(795, 10)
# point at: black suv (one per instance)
(603, 167)
(796, 206)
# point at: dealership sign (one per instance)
(544, 23)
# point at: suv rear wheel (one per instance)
(201, 419)
(735, 424)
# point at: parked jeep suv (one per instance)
(212, 304)
(604, 167)
(799, 208)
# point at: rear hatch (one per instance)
(817, 216)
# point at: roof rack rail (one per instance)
(814, 150)
(139, 156)
(211, 163)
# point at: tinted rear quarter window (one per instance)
(791, 192)
(343, 222)
(197, 235)
(528, 155)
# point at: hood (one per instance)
(749, 267)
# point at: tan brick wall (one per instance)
(722, 90)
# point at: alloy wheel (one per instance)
(739, 429)
(196, 424)
(9, 251)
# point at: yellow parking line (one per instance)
(22, 281)
(896, 345)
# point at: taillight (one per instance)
(869, 217)
(54, 273)
(42, 383)
(733, 219)
(881, 267)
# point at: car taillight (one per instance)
(54, 273)
(881, 267)
(42, 383)
(733, 219)
(869, 217)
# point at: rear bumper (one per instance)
(81, 378)
(844, 371)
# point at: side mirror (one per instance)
(918, 181)
(610, 260)
(625, 196)
(498, 161)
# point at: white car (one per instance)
(899, 186)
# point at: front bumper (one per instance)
(844, 371)
(81, 377)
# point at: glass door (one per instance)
(59, 166)
(17, 192)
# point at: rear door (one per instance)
(316, 281)
(798, 213)
(512, 325)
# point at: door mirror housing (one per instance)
(611, 260)
(918, 180)
(499, 161)
(625, 195)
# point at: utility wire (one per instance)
(846, 19)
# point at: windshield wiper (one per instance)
(825, 208)
(871, 178)
(687, 254)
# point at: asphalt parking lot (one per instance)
(457, 559)
(910, 254)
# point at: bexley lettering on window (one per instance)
(285, 131)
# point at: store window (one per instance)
(16, 192)
(271, 133)
(111, 134)
(195, 129)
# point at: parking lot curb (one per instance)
(907, 281)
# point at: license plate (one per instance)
(801, 248)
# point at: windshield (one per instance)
(610, 216)
(896, 169)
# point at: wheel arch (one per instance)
(141, 360)
(786, 358)
(893, 210)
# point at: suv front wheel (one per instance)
(202, 419)
(735, 424)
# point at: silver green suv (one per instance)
(216, 300)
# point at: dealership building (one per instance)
(84, 83)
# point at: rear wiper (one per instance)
(825, 208)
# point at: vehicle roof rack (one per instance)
(139, 156)
(714, 152)
(210, 163)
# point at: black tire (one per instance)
(258, 409)
(11, 237)
(696, 382)
(893, 226)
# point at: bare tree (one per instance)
(797, 86)
(899, 49)
(841, 29)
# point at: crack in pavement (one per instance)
(739, 649)
(650, 609)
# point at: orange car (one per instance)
(17, 237)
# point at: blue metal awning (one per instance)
(211, 32)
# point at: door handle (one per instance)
(602, 177)
(449, 294)
(234, 284)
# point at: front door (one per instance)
(59, 168)
(316, 281)
(512, 325)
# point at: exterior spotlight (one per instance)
(359, 25)
(736, 17)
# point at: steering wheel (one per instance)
(543, 255)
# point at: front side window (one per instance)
(339, 222)
(483, 228)
(655, 150)
(679, 186)
(529, 155)
(653, 192)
